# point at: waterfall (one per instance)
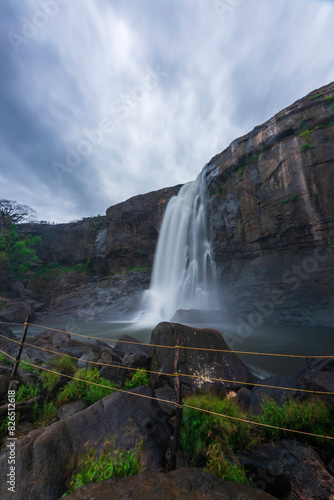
(183, 274)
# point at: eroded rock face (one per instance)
(271, 200)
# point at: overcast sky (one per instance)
(105, 99)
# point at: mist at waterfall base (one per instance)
(183, 276)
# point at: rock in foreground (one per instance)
(207, 364)
(185, 484)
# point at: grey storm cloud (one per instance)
(104, 100)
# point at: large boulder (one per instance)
(206, 364)
(277, 392)
(288, 470)
(182, 484)
(43, 456)
(318, 375)
(128, 345)
(17, 311)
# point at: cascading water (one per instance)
(183, 272)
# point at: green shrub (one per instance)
(138, 269)
(26, 392)
(82, 390)
(64, 364)
(49, 380)
(140, 377)
(42, 416)
(200, 430)
(308, 416)
(96, 466)
(17, 254)
(26, 367)
(306, 147)
(6, 359)
(219, 466)
(329, 99)
(315, 96)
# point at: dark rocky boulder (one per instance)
(289, 470)
(43, 456)
(318, 375)
(69, 409)
(6, 340)
(17, 311)
(58, 342)
(129, 345)
(182, 484)
(278, 394)
(207, 364)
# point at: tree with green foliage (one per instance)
(17, 254)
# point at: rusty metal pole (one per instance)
(20, 347)
(174, 442)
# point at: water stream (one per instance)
(183, 274)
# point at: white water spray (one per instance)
(183, 274)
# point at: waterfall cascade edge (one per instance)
(183, 275)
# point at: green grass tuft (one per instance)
(76, 389)
(140, 377)
(218, 465)
(26, 392)
(308, 416)
(95, 466)
(200, 430)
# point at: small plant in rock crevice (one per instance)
(94, 465)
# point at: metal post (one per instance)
(20, 347)
(174, 442)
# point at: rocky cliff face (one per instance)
(120, 248)
(271, 200)
(133, 228)
(73, 243)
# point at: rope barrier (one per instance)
(302, 356)
(251, 422)
(257, 423)
(177, 374)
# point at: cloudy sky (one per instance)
(105, 99)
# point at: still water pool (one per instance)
(276, 339)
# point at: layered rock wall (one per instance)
(271, 199)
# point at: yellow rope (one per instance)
(257, 423)
(251, 422)
(89, 382)
(176, 374)
(179, 347)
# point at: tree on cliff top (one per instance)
(17, 254)
(12, 212)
